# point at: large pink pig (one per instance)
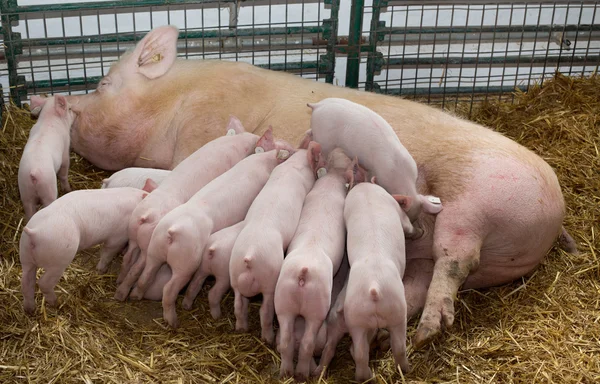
(374, 293)
(361, 132)
(208, 162)
(46, 154)
(76, 221)
(503, 206)
(270, 224)
(181, 235)
(215, 262)
(135, 177)
(313, 258)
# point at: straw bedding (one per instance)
(542, 328)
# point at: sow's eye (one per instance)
(105, 82)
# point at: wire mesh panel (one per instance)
(69, 47)
(439, 51)
(448, 51)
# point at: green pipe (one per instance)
(354, 35)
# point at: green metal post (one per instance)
(373, 61)
(353, 65)
(330, 33)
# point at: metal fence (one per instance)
(439, 51)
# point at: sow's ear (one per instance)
(154, 55)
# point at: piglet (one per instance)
(313, 258)
(215, 262)
(181, 235)
(76, 221)
(46, 154)
(193, 173)
(375, 292)
(269, 226)
(135, 177)
(361, 132)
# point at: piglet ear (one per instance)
(374, 180)
(150, 185)
(234, 126)
(154, 55)
(266, 141)
(306, 140)
(60, 105)
(405, 202)
(36, 105)
(314, 156)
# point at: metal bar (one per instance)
(354, 34)
(331, 35)
(119, 5)
(134, 37)
(372, 47)
(424, 91)
(499, 30)
(466, 61)
(290, 66)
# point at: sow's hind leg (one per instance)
(498, 230)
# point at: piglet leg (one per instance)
(215, 295)
(267, 314)
(241, 312)
(286, 345)
(360, 353)
(193, 289)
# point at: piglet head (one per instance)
(316, 159)
(234, 127)
(355, 174)
(36, 104)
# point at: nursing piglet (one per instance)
(76, 221)
(314, 256)
(135, 177)
(361, 132)
(193, 173)
(46, 154)
(375, 292)
(181, 235)
(270, 224)
(215, 262)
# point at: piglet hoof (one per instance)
(300, 377)
(29, 308)
(285, 371)
(187, 304)
(381, 341)
(136, 294)
(268, 338)
(101, 269)
(241, 328)
(171, 320)
(121, 294)
(363, 375)
(215, 312)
